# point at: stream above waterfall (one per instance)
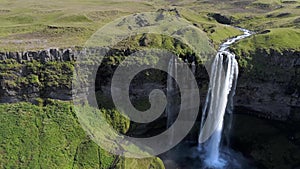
(224, 46)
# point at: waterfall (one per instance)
(224, 72)
(171, 89)
(222, 85)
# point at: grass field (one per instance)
(32, 24)
(280, 39)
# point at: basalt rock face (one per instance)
(42, 56)
(30, 76)
(269, 86)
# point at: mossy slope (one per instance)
(51, 137)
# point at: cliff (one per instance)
(268, 85)
(28, 76)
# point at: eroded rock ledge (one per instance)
(42, 55)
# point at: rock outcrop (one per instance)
(42, 55)
(32, 75)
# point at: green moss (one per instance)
(34, 79)
(90, 156)
(33, 66)
(152, 163)
(9, 64)
(51, 74)
(106, 158)
(150, 40)
(57, 74)
(116, 119)
(39, 102)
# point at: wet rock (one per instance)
(19, 57)
(2, 56)
(32, 55)
(56, 54)
(12, 55)
(67, 55)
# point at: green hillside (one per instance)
(51, 137)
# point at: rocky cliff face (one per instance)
(29, 76)
(269, 84)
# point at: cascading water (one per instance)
(171, 89)
(175, 67)
(224, 72)
(223, 78)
